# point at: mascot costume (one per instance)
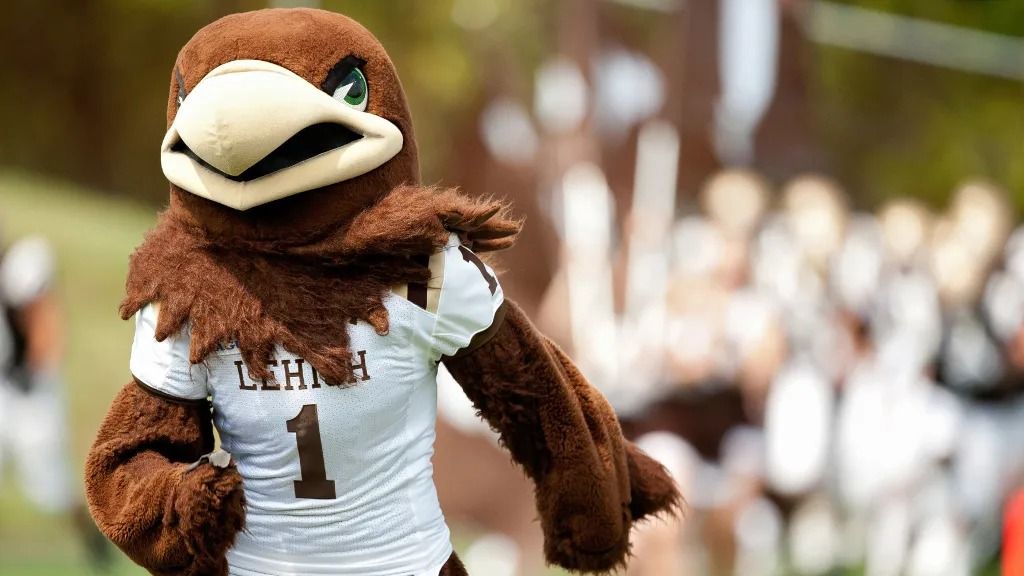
(297, 296)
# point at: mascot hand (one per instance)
(166, 515)
(579, 535)
(207, 508)
(652, 489)
(583, 537)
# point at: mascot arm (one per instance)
(591, 483)
(167, 515)
(168, 518)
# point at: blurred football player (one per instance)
(33, 412)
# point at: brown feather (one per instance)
(301, 295)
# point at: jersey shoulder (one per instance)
(164, 366)
(463, 296)
(469, 301)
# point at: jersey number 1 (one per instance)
(314, 483)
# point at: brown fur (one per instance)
(301, 295)
(591, 485)
(652, 490)
(296, 272)
(164, 518)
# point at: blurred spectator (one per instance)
(870, 363)
(33, 411)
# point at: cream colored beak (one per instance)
(242, 137)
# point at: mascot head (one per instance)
(284, 122)
(295, 198)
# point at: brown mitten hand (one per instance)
(652, 489)
(578, 535)
(207, 509)
(167, 516)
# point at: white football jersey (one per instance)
(338, 477)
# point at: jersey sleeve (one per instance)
(164, 367)
(470, 301)
(26, 271)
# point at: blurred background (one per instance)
(781, 236)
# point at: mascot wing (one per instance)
(591, 483)
(168, 515)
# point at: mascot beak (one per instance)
(252, 132)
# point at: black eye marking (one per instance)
(341, 71)
(181, 86)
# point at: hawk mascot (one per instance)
(297, 297)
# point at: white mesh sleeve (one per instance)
(27, 270)
(470, 299)
(164, 366)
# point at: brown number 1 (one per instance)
(314, 483)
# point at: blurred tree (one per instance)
(892, 127)
(84, 86)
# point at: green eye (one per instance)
(353, 90)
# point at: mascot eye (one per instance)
(353, 90)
